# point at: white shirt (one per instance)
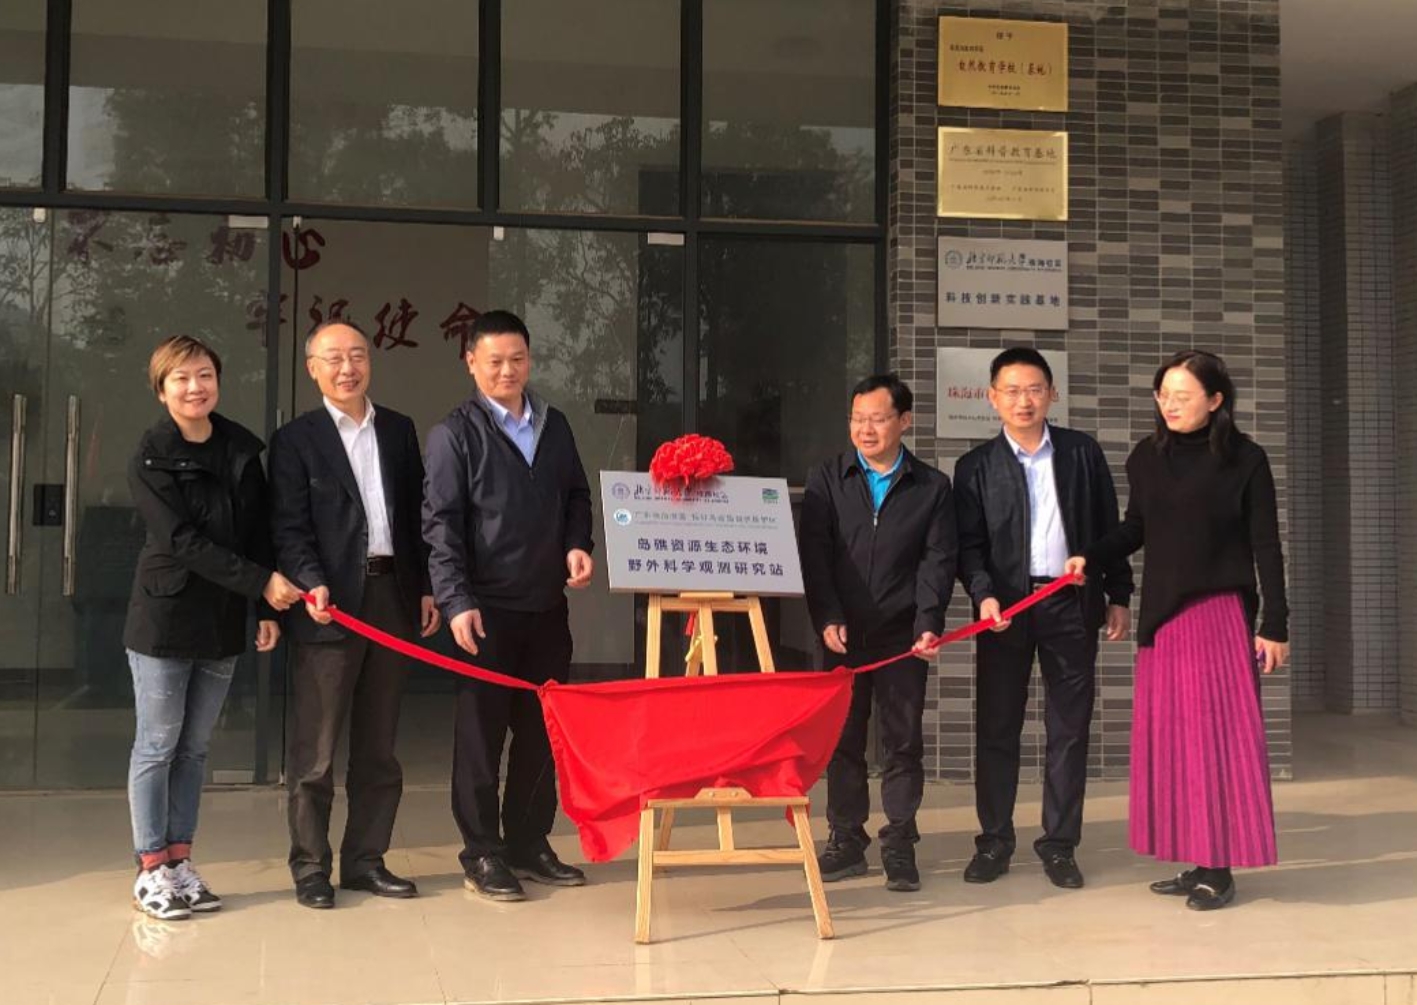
(362, 448)
(1048, 543)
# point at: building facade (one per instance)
(715, 215)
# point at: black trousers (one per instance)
(899, 693)
(535, 646)
(352, 681)
(1067, 655)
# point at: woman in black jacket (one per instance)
(198, 485)
(1202, 503)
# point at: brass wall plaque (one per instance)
(1002, 174)
(991, 63)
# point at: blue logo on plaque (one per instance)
(622, 517)
(769, 495)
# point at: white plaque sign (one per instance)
(729, 534)
(985, 283)
(962, 387)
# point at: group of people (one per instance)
(487, 532)
(489, 527)
(885, 536)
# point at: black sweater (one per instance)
(1206, 524)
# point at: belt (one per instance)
(1040, 580)
(379, 565)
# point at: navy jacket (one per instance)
(498, 527)
(318, 522)
(887, 577)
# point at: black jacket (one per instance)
(500, 528)
(207, 552)
(991, 500)
(318, 522)
(887, 577)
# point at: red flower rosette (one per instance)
(680, 463)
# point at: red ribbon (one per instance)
(415, 651)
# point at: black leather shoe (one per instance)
(545, 867)
(315, 891)
(841, 860)
(1063, 871)
(987, 865)
(490, 877)
(901, 874)
(1207, 896)
(1179, 885)
(381, 883)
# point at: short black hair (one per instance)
(1020, 355)
(497, 323)
(901, 398)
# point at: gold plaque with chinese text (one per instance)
(991, 63)
(1002, 174)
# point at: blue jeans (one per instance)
(178, 702)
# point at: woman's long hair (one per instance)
(1209, 369)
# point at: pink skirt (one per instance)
(1200, 765)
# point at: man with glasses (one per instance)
(1026, 500)
(347, 500)
(878, 562)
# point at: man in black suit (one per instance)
(1025, 501)
(346, 505)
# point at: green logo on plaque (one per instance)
(769, 495)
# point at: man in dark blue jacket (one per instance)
(878, 563)
(507, 515)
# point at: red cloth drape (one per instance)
(622, 743)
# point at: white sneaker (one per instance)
(192, 888)
(155, 894)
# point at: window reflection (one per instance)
(168, 98)
(590, 94)
(789, 109)
(384, 102)
(21, 93)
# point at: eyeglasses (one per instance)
(1036, 392)
(336, 360)
(874, 421)
(1164, 398)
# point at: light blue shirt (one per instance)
(522, 430)
(879, 482)
(1048, 543)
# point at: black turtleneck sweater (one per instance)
(1206, 525)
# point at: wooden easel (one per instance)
(654, 846)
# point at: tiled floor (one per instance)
(1343, 902)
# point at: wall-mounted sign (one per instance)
(730, 534)
(985, 283)
(962, 384)
(991, 63)
(1003, 174)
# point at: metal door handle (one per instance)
(71, 493)
(17, 472)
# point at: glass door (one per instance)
(105, 289)
(24, 310)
